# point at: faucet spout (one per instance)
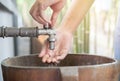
(52, 40)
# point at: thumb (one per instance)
(54, 18)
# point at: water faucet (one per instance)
(30, 32)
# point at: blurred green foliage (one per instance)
(82, 35)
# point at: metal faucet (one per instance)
(30, 32)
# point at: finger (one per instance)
(36, 14)
(54, 60)
(57, 62)
(42, 15)
(49, 60)
(54, 18)
(62, 55)
(44, 50)
(64, 50)
(38, 18)
(50, 52)
(44, 59)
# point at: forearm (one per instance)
(75, 14)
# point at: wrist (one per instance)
(65, 30)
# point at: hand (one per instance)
(62, 46)
(38, 8)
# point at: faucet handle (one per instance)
(47, 26)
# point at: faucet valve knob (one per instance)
(47, 26)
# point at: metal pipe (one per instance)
(29, 32)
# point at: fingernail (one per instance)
(49, 60)
(43, 60)
(54, 60)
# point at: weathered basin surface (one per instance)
(75, 67)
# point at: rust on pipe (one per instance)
(75, 67)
